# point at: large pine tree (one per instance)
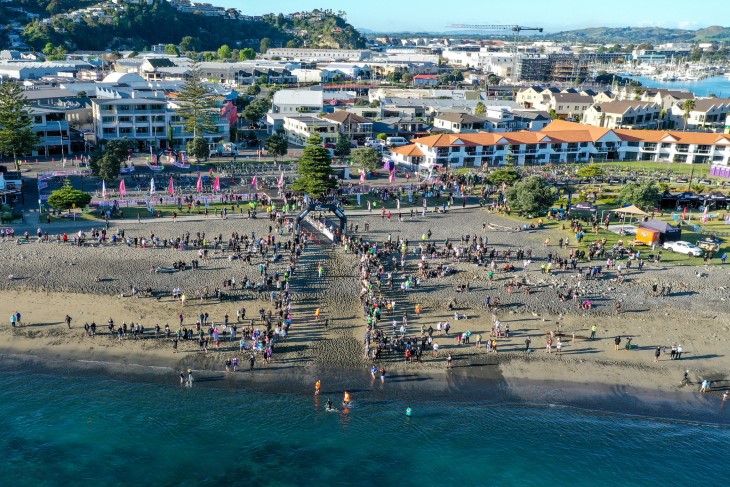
(197, 105)
(16, 125)
(315, 168)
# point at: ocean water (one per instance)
(60, 430)
(717, 85)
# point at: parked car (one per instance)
(682, 247)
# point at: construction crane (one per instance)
(514, 28)
(517, 29)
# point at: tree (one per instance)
(367, 158)
(197, 105)
(292, 43)
(67, 197)
(531, 195)
(590, 171)
(224, 52)
(315, 167)
(198, 148)
(507, 176)
(381, 136)
(172, 50)
(132, 54)
(107, 163)
(253, 90)
(246, 54)
(190, 44)
(264, 45)
(343, 146)
(407, 78)
(256, 109)
(16, 125)
(645, 195)
(276, 145)
(480, 109)
(688, 106)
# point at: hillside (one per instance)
(135, 26)
(638, 35)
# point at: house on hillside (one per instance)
(624, 114)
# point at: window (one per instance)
(110, 131)
(107, 119)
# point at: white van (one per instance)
(395, 141)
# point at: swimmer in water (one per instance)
(329, 404)
(373, 371)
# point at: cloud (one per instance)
(687, 24)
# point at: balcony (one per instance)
(649, 147)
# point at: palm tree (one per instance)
(688, 106)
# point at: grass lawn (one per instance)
(663, 167)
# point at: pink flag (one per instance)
(280, 184)
(171, 187)
(122, 188)
(362, 177)
(199, 186)
(392, 176)
(217, 184)
(103, 189)
(255, 182)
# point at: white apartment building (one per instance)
(707, 114)
(624, 115)
(151, 122)
(298, 128)
(562, 142)
(317, 54)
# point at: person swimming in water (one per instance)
(329, 404)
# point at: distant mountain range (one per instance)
(603, 35)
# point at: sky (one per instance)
(555, 15)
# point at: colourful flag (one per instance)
(199, 186)
(392, 176)
(217, 184)
(255, 182)
(171, 187)
(705, 215)
(122, 188)
(362, 177)
(103, 189)
(280, 184)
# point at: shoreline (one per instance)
(466, 385)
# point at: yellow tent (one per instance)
(631, 210)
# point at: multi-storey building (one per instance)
(562, 142)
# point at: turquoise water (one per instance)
(718, 85)
(84, 431)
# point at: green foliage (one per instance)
(507, 176)
(343, 146)
(107, 163)
(67, 197)
(246, 54)
(276, 145)
(190, 44)
(531, 195)
(264, 45)
(253, 90)
(256, 109)
(224, 52)
(361, 102)
(407, 78)
(16, 125)
(315, 167)
(368, 158)
(590, 171)
(394, 76)
(197, 105)
(480, 109)
(645, 195)
(382, 136)
(198, 148)
(172, 50)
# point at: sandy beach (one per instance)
(93, 283)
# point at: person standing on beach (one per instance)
(679, 351)
(13, 320)
(251, 362)
(528, 341)
(594, 328)
(617, 342)
(657, 354)
(68, 321)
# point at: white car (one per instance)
(683, 247)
